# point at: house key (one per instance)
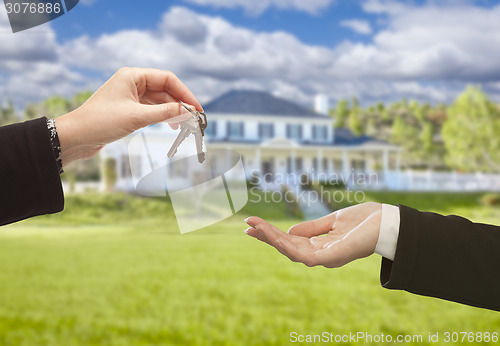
(195, 125)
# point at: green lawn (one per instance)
(113, 270)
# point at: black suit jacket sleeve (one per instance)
(447, 257)
(30, 183)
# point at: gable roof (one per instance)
(242, 102)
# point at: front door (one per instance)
(267, 170)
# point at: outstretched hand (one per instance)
(131, 99)
(331, 241)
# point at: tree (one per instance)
(371, 128)
(56, 106)
(399, 130)
(32, 111)
(79, 99)
(341, 113)
(471, 132)
(380, 107)
(427, 138)
(8, 114)
(355, 123)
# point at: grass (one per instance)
(113, 270)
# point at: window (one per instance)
(136, 165)
(235, 129)
(268, 170)
(358, 165)
(320, 133)
(298, 164)
(294, 131)
(125, 167)
(211, 130)
(266, 131)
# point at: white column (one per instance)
(386, 166)
(292, 161)
(257, 160)
(386, 161)
(319, 155)
(398, 162)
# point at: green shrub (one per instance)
(292, 203)
(490, 199)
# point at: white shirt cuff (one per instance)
(389, 232)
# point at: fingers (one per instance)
(265, 232)
(271, 235)
(257, 233)
(156, 97)
(313, 228)
(162, 81)
(280, 240)
(171, 112)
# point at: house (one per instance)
(278, 140)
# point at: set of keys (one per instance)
(195, 125)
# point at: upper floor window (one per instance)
(235, 129)
(211, 130)
(294, 131)
(266, 131)
(320, 133)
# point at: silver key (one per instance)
(194, 125)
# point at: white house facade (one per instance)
(279, 142)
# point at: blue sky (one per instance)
(103, 16)
(373, 49)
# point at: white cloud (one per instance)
(30, 65)
(384, 6)
(418, 53)
(222, 56)
(37, 44)
(430, 42)
(256, 7)
(357, 25)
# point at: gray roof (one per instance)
(241, 102)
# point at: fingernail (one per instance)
(246, 220)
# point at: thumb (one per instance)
(313, 228)
(171, 112)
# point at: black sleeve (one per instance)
(447, 257)
(30, 183)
